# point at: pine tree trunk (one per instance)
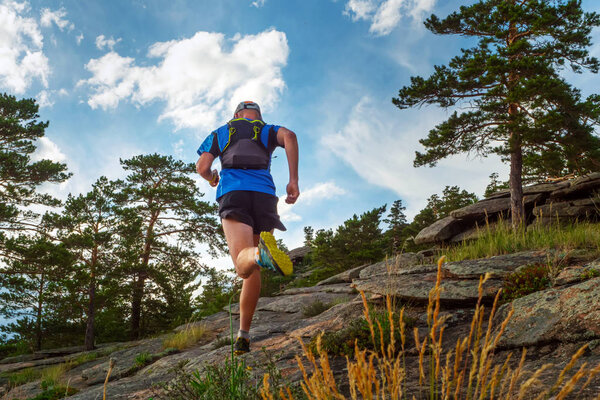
(136, 305)
(91, 314)
(517, 210)
(38, 320)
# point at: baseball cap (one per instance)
(247, 105)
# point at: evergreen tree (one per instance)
(19, 175)
(216, 292)
(88, 228)
(33, 287)
(396, 221)
(309, 234)
(495, 185)
(161, 205)
(519, 106)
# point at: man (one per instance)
(247, 200)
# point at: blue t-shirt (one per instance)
(256, 180)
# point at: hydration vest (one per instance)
(245, 148)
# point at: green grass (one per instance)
(501, 239)
(187, 337)
(23, 376)
(142, 359)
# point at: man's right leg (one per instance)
(242, 242)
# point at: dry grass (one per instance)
(467, 371)
(189, 336)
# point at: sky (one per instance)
(118, 78)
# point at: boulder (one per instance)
(577, 273)
(586, 186)
(344, 277)
(498, 266)
(440, 231)
(568, 314)
(401, 264)
(416, 288)
(564, 210)
(336, 288)
(293, 303)
(484, 208)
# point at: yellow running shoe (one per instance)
(271, 258)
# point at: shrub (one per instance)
(55, 393)
(143, 359)
(23, 376)
(342, 342)
(529, 279)
(315, 308)
(189, 336)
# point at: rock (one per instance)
(124, 360)
(336, 288)
(585, 186)
(482, 209)
(568, 314)
(472, 233)
(298, 254)
(577, 273)
(344, 277)
(294, 303)
(565, 210)
(402, 263)
(498, 266)
(417, 288)
(440, 231)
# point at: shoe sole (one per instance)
(282, 261)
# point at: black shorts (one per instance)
(256, 209)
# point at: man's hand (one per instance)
(292, 192)
(215, 178)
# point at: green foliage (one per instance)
(216, 292)
(143, 359)
(13, 348)
(55, 393)
(357, 241)
(234, 379)
(529, 279)
(315, 308)
(590, 273)
(495, 185)
(23, 376)
(20, 177)
(341, 342)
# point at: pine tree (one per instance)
(19, 175)
(161, 205)
(88, 228)
(33, 287)
(396, 221)
(309, 234)
(519, 106)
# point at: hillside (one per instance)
(551, 324)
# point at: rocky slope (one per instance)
(552, 324)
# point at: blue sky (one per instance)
(127, 77)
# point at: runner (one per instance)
(247, 200)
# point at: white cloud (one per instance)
(258, 3)
(21, 56)
(200, 79)
(385, 15)
(79, 38)
(57, 17)
(48, 150)
(103, 42)
(321, 191)
(379, 146)
(45, 98)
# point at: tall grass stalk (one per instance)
(468, 370)
(500, 238)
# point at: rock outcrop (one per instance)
(571, 200)
(552, 324)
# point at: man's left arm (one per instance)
(287, 139)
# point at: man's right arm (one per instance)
(287, 139)
(208, 151)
